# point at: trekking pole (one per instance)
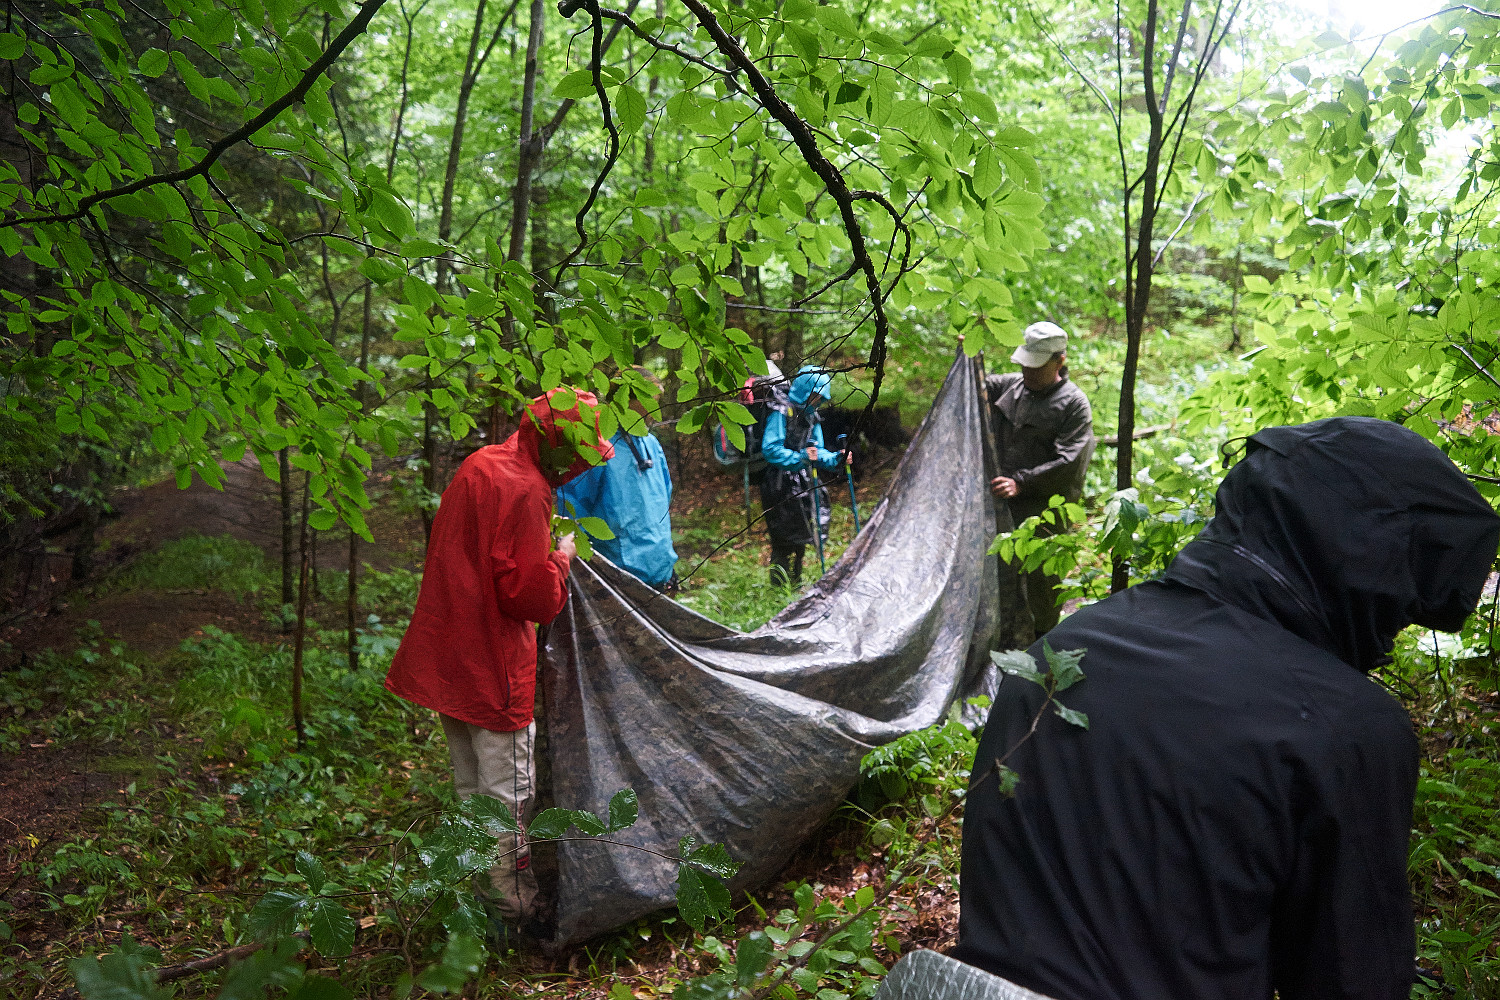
(818, 522)
(849, 477)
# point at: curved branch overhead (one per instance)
(268, 114)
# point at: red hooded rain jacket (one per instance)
(470, 651)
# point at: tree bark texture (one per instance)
(283, 462)
(301, 632)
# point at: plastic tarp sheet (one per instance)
(753, 739)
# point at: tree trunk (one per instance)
(648, 159)
(456, 142)
(541, 254)
(84, 547)
(528, 151)
(283, 461)
(1138, 270)
(1234, 302)
(312, 558)
(796, 325)
(530, 148)
(351, 597)
(301, 634)
(351, 603)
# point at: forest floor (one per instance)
(94, 686)
(149, 784)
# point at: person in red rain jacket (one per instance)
(470, 651)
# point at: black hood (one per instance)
(1345, 531)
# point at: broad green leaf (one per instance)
(837, 21)
(1063, 666)
(588, 823)
(331, 927)
(752, 956)
(624, 809)
(1071, 716)
(1018, 663)
(467, 917)
(630, 108)
(381, 270)
(123, 974)
(549, 824)
(804, 42)
(576, 85)
(311, 870)
(700, 897)
(710, 857)
(12, 46)
(494, 815)
(275, 914)
(461, 960)
(153, 62)
(319, 988)
(596, 527)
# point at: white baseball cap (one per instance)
(1042, 340)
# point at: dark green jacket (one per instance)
(1045, 440)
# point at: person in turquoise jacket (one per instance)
(632, 493)
(792, 444)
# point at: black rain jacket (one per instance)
(1236, 819)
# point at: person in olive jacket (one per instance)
(1235, 820)
(1044, 432)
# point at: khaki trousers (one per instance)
(500, 765)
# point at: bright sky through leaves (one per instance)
(1370, 17)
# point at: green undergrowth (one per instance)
(1451, 686)
(725, 571)
(198, 562)
(217, 807)
(223, 800)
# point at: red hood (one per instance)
(545, 420)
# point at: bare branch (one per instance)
(1166, 88)
(830, 175)
(624, 18)
(567, 8)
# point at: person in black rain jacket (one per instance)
(1235, 820)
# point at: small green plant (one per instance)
(197, 562)
(425, 888)
(931, 761)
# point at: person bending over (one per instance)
(1235, 819)
(792, 444)
(1044, 433)
(470, 651)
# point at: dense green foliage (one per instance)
(356, 237)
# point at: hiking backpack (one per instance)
(757, 395)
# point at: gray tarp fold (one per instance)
(753, 739)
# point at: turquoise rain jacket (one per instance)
(773, 440)
(635, 502)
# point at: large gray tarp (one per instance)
(753, 739)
